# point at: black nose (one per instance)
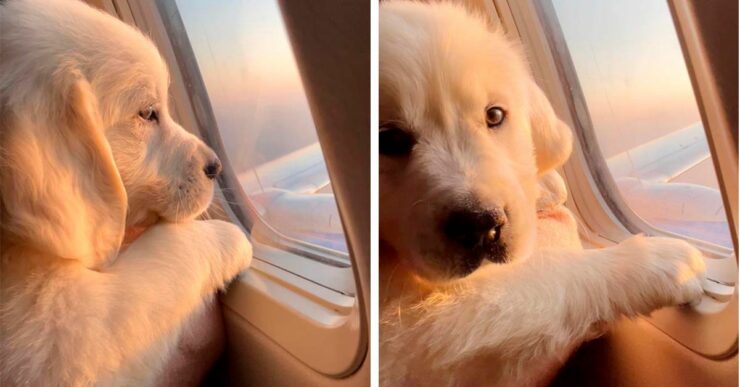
(213, 168)
(474, 229)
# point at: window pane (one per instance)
(253, 84)
(634, 79)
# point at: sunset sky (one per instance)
(632, 72)
(631, 69)
(248, 66)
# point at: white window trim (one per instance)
(308, 307)
(600, 226)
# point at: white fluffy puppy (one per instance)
(465, 133)
(87, 149)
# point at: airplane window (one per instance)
(634, 80)
(246, 62)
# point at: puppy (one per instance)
(87, 149)
(464, 135)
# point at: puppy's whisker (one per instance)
(205, 215)
(178, 200)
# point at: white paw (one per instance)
(673, 270)
(236, 251)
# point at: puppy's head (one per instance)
(88, 143)
(464, 133)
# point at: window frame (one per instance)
(314, 297)
(245, 213)
(603, 219)
(586, 136)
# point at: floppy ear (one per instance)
(553, 140)
(60, 190)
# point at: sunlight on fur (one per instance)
(506, 306)
(102, 264)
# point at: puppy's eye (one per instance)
(494, 116)
(395, 141)
(150, 114)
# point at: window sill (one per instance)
(317, 325)
(715, 313)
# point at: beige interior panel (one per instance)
(255, 360)
(637, 354)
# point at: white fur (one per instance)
(78, 165)
(504, 324)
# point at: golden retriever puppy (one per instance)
(466, 137)
(87, 149)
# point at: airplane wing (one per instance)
(301, 171)
(645, 174)
(293, 195)
(664, 158)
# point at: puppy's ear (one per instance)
(60, 191)
(553, 140)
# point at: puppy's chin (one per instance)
(431, 273)
(187, 209)
(433, 276)
(449, 264)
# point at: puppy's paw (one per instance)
(671, 269)
(234, 247)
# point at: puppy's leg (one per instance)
(521, 316)
(124, 317)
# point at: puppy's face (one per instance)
(88, 143)
(457, 151)
(167, 172)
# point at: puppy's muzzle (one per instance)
(478, 232)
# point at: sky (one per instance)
(632, 73)
(250, 73)
(631, 69)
